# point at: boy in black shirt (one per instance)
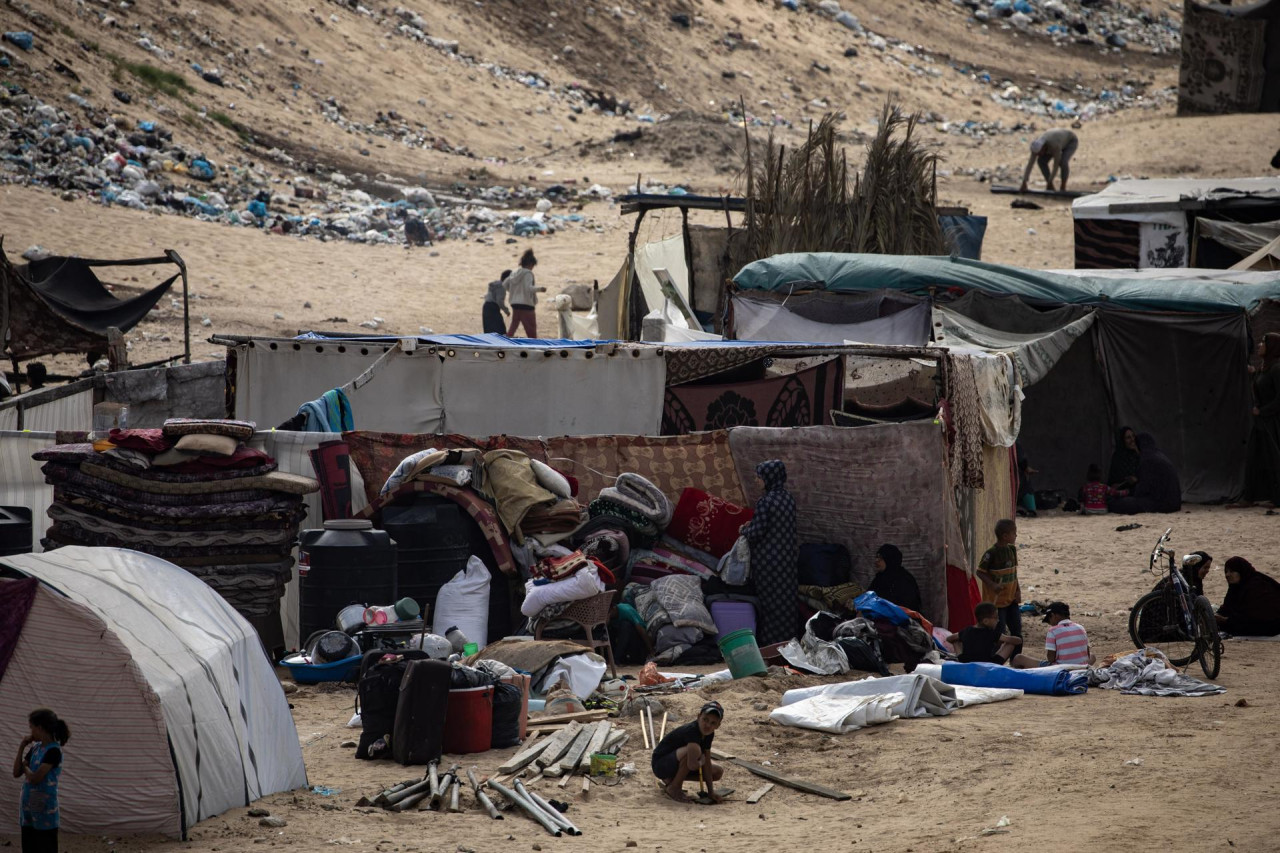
(983, 643)
(686, 750)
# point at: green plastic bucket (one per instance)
(741, 653)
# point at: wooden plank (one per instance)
(616, 746)
(798, 784)
(586, 785)
(558, 744)
(580, 716)
(593, 746)
(569, 761)
(1005, 189)
(523, 758)
(616, 737)
(758, 794)
(723, 756)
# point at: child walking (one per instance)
(39, 765)
(998, 570)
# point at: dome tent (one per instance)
(175, 714)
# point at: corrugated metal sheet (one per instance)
(72, 412)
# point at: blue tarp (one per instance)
(916, 274)
(878, 608)
(1042, 682)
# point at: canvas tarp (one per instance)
(1183, 379)
(841, 273)
(229, 728)
(761, 320)
(1034, 352)
(862, 488)
(1159, 199)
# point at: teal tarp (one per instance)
(915, 274)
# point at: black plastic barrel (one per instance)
(433, 541)
(15, 530)
(345, 562)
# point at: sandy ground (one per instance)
(1054, 766)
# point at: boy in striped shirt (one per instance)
(1066, 642)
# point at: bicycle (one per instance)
(1181, 624)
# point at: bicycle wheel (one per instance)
(1208, 638)
(1156, 621)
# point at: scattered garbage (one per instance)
(21, 39)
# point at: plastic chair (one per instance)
(588, 613)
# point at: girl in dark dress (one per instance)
(1262, 471)
(771, 533)
(1252, 605)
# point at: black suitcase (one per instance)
(418, 735)
(378, 694)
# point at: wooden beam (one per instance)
(798, 784)
(580, 716)
(593, 746)
(759, 793)
(559, 744)
(569, 761)
(523, 758)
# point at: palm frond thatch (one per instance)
(805, 201)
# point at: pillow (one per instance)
(243, 430)
(707, 522)
(202, 444)
(551, 479)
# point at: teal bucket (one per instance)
(741, 653)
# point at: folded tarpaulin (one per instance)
(839, 714)
(922, 696)
(1041, 682)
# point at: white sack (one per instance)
(922, 696)
(583, 583)
(583, 672)
(464, 602)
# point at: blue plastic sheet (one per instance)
(874, 605)
(1041, 682)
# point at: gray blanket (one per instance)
(681, 597)
(1143, 676)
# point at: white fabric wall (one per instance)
(666, 255)
(554, 392)
(402, 396)
(228, 722)
(73, 412)
(762, 321)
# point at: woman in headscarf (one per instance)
(771, 533)
(1252, 605)
(1123, 473)
(892, 582)
(1262, 470)
(1158, 488)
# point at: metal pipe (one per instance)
(404, 793)
(483, 797)
(409, 802)
(453, 796)
(435, 780)
(529, 808)
(549, 809)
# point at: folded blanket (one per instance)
(276, 481)
(242, 430)
(266, 514)
(564, 516)
(144, 540)
(645, 529)
(71, 476)
(681, 597)
(645, 601)
(510, 481)
(146, 440)
(582, 584)
(246, 462)
(638, 494)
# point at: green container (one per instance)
(470, 649)
(742, 654)
(407, 609)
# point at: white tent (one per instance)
(175, 714)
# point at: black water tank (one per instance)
(15, 530)
(433, 541)
(346, 562)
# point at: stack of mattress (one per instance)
(191, 493)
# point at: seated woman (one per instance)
(1123, 473)
(1252, 605)
(686, 751)
(892, 582)
(1158, 488)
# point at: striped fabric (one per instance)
(21, 483)
(1070, 641)
(119, 776)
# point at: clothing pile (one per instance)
(1144, 674)
(192, 493)
(635, 506)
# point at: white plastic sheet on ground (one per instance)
(839, 714)
(583, 672)
(922, 696)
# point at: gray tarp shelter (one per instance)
(1163, 355)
